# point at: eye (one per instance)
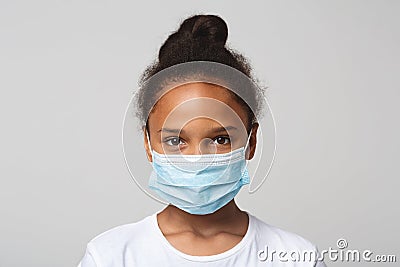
(173, 141)
(222, 140)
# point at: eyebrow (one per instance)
(214, 130)
(223, 129)
(169, 130)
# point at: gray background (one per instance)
(69, 68)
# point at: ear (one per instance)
(146, 144)
(252, 141)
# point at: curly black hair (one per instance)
(199, 38)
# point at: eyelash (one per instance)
(225, 138)
(171, 139)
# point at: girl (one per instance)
(200, 125)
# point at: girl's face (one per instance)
(199, 118)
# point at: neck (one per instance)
(227, 216)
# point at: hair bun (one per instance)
(195, 35)
(210, 28)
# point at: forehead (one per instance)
(197, 89)
(195, 100)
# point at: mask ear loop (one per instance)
(247, 146)
(246, 153)
(148, 142)
(247, 143)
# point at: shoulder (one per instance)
(278, 237)
(124, 230)
(111, 242)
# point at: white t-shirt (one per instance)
(143, 244)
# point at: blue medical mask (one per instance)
(199, 184)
